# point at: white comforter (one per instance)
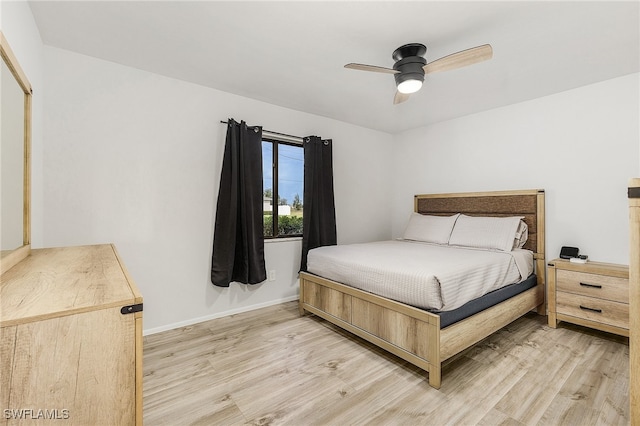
(424, 275)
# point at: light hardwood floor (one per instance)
(271, 366)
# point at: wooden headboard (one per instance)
(527, 203)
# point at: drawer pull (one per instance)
(590, 285)
(131, 309)
(591, 309)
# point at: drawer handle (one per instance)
(591, 309)
(590, 285)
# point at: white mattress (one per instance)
(424, 275)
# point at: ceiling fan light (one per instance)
(409, 86)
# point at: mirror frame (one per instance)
(11, 257)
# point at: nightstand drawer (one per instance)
(593, 309)
(600, 286)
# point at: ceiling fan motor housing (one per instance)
(410, 69)
(409, 61)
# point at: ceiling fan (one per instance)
(411, 66)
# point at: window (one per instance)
(283, 184)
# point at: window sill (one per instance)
(281, 240)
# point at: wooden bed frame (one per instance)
(414, 334)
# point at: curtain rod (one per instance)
(275, 135)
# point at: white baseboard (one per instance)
(216, 315)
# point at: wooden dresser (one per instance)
(70, 339)
(592, 294)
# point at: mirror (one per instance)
(15, 167)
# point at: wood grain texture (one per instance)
(526, 203)
(594, 285)
(328, 300)
(592, 295)
(428, 365)
(274, 367)
(541, 223)
(597, 325)
(593, 309)
(7, 350)
(551, 296)
(396, 328)
(371, 317)
(593, 267)
(11, 258)
(65, 346)
(27, 288)
(56, 364)
(463, 334)
(634, 301)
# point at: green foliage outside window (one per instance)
(287, 225)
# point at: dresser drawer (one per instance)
(600, 286)
(593, 309)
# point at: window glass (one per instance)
(267, 187)
(283, 184)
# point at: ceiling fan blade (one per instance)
(373, 68)
(460, 59)
(400, 97)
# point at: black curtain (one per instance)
(319, 206)
(238, 241)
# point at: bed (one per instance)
(417, 335)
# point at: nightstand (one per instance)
(591, 294)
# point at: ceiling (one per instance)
(292, 54)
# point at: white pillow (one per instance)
(430, 229)
(522, 234)
(496, 233)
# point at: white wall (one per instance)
(134, 158)
(581, 146)
(19, 28)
